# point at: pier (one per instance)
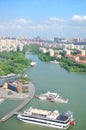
(18, 108)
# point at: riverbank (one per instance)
(9, 94)
(69, 64)
(27, 98)
(13, 62)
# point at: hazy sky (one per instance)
(44, 18)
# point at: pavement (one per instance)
(27, 97)
(8, 94)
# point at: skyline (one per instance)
(44, 18)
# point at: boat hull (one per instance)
(43, 122)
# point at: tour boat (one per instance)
(47, 118)
(52, 97)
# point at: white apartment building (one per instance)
(83, 52)
(51, 51)
(44, 50)
(8, 45)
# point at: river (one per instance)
(51, 77)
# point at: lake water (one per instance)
(51, 77)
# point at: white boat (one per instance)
(48, 95)
(47, 118)
(1, 100)
(33, 63)
(54, 61)
(52, 97)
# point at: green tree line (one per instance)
(13, 62)
(66, 63)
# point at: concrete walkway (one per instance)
(18, 108)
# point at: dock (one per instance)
(18, 108)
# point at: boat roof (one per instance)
(51, 94)
(39, 111)
(62, 117)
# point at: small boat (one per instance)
(33, 63)
(1, 100)
(52, 119)
(54, 61)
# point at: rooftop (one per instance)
(62, 117)
(40, 112)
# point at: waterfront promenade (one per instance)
(18, 108)
(8, 78)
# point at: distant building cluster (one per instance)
(9, 44)
(74, 40)
(52, 47)
(79, 57)
(12, 44)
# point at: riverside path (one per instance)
(31, 94)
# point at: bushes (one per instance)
(68, 64)
(13, 62)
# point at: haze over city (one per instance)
(45, 18)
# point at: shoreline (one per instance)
(19, 107)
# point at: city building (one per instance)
(51, 52)
(41, 49)
(13, 86)
(83, 52)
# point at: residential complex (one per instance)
(54, 47)
(10, 44)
